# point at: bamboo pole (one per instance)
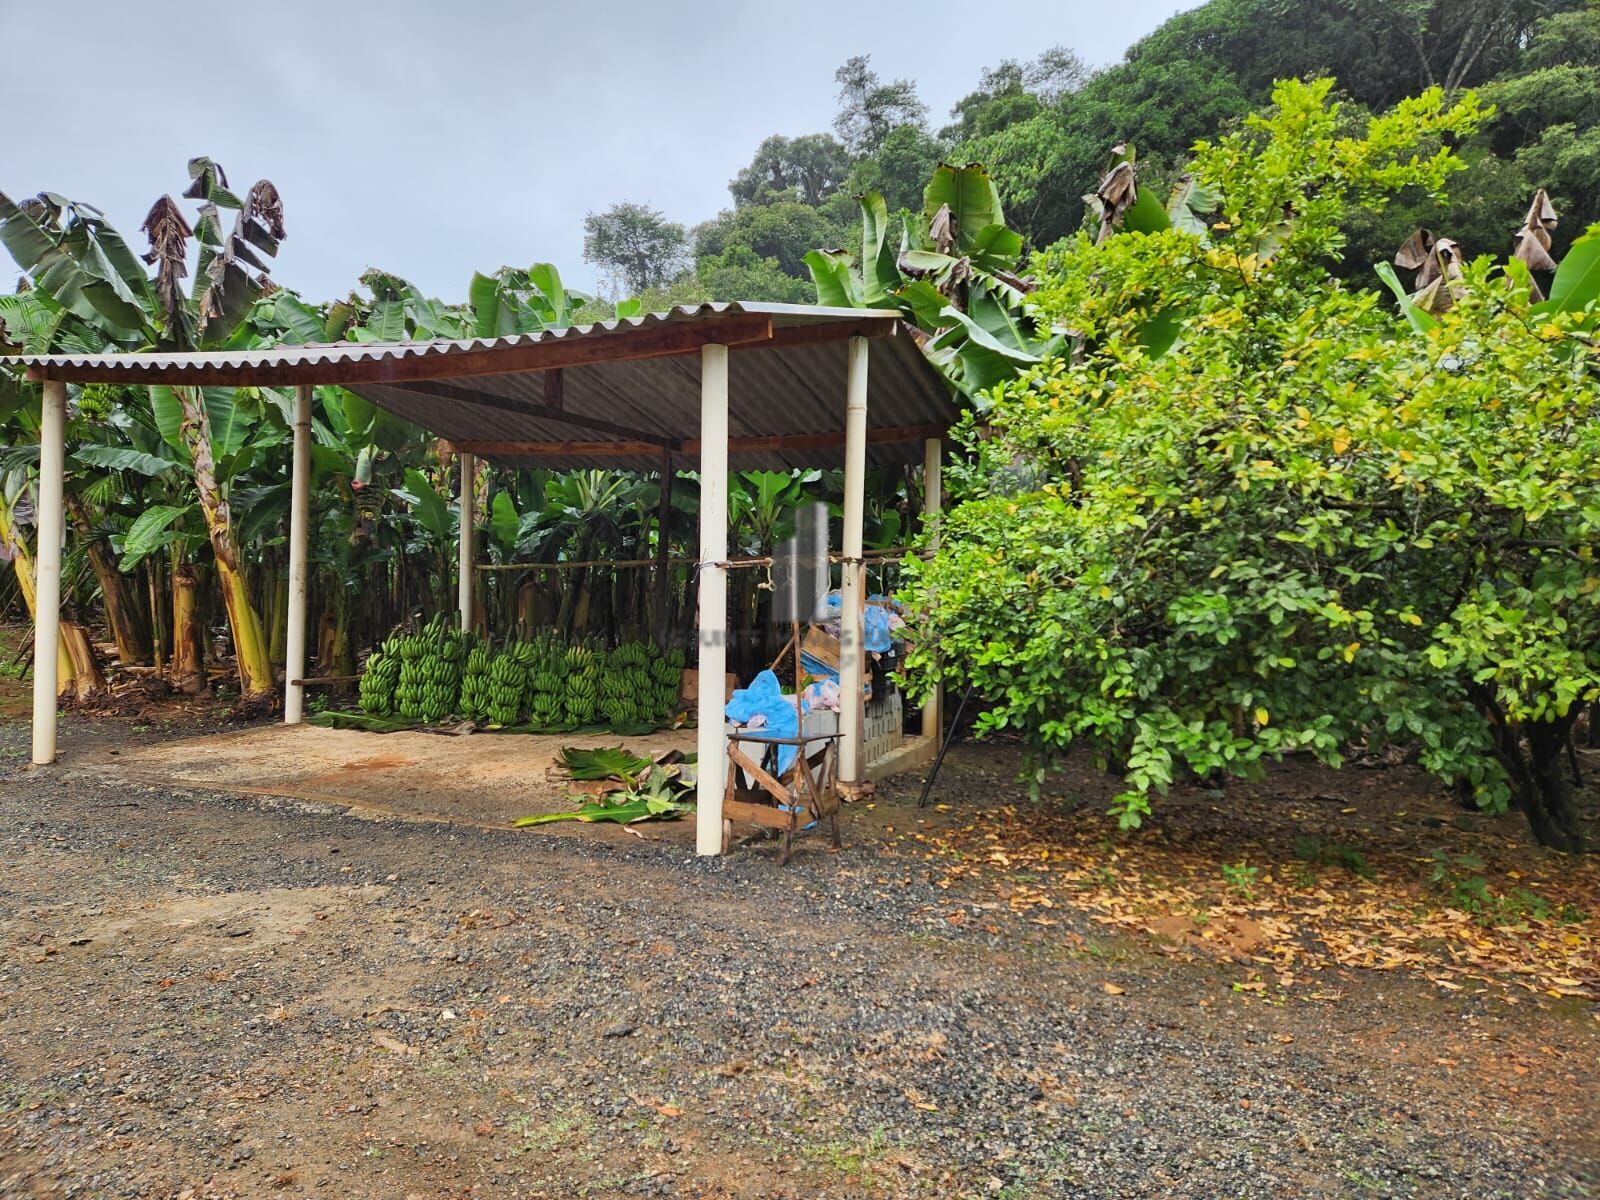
(728, 564)
(713, 664)
(663, 595)
(49, 521)
(294, 654)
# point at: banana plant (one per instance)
(1440, 279)
(954, 278)
(514, 300)
(33, 322)
(73, 255)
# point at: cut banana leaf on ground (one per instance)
(363, 721)
(605, 762)
(623, 812)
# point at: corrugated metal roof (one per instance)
(618, 409)
(280, 356)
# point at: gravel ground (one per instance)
(210, 996)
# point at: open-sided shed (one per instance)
(706, 388)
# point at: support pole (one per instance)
(713, 664)
(49, 521)
(469, 519)
(932, 501)
(663, 582)
(852, 653)
(294, 654)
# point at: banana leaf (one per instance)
(628, 812)
(606, 762)
(363, 721)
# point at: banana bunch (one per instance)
(631, 654)
(546, 709)
(525, 654)
(475, 683)
(581, 698)
(378, 683)
(507, 683)
(666, 685)
(429, 686)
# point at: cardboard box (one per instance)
(691, 687)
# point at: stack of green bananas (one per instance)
(581, 697)
(438, 670)
(624, 685)
(666, 684)
(378, 683)
(507, 683)
(475, 683)
(430, 671)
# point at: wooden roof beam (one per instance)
(771, 443)
(543, 412)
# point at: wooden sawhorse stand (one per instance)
(808, 791)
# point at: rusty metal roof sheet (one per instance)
(629, 389)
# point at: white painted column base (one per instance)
(466, 565)
(713, 633)
(49, 521)
(932, 502)
(852, 652)
(294, 653)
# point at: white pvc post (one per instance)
(49, 520)
(294, 654)
(713, 664)
(852, 653)
(932, 500)
(469, 518)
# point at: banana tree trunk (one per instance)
(154, 585)
(566, 622)
(249, 641)
(127, 631)
(87, 678)
(22, 566)
(188, 665)
(278, 621)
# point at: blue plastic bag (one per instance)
(765, 696)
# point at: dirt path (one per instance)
(209, 996)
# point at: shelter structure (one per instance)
(704, 388)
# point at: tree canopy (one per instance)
(636, 245)
(1297, 523)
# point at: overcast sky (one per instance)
(432, 139)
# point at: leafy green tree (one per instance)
(869, 108)
(784, 231)
(1450, 45)
(900, 166)
(1204, 69)
(739, 273)
(636, 245)
(1304, 525)
(808, 169)
(1015, 91)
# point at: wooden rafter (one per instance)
(544, 412)
(779, 442)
